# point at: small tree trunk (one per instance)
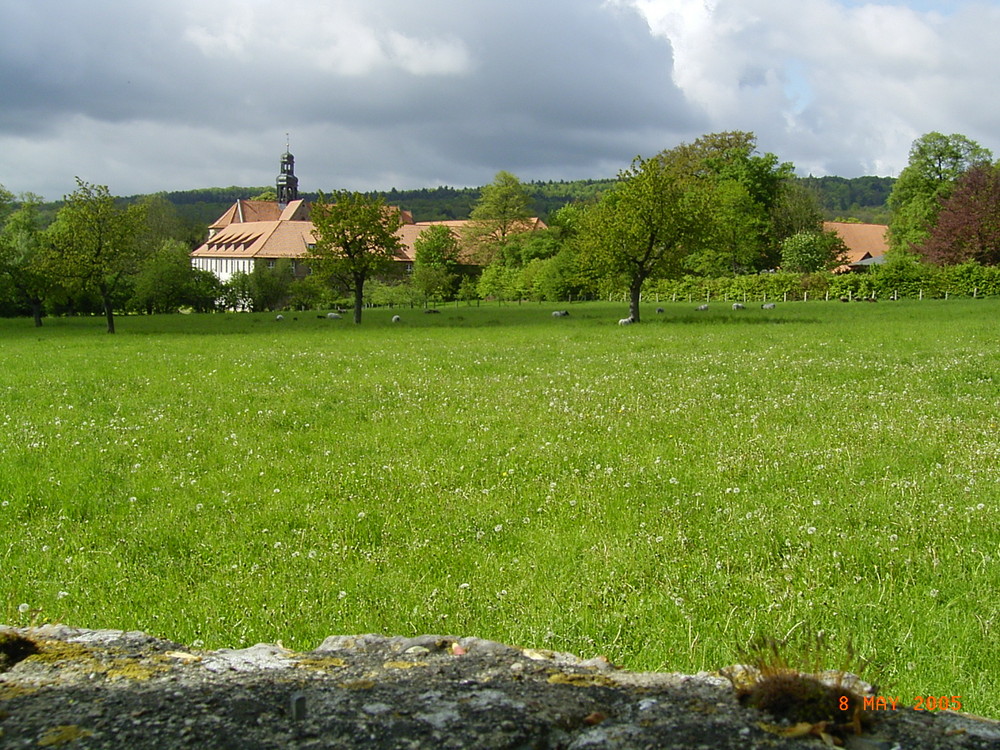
(36, 312)
(359, 297)
(635, 294)
(109, 313)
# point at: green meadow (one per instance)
(660, 493)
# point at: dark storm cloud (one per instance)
(370, 91)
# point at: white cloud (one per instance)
(349, 39)
(834, 86)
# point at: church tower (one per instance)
(288, 183)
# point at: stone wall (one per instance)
(67, 687)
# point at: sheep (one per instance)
(431, 311)
(768, 306)
(560, 314)
(660, 311)
(396, 318)
(332, 316)
(626, 321)
(279, 317)
(738, 306)
(701, 308)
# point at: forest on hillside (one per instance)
(859, 199)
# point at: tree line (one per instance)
(714, 208)
(856, 198)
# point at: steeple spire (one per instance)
(288, 183)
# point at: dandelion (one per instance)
(463, 586)
(342, 595)
(933, 593)
(62, 594)
(498, 528)
(22, 608)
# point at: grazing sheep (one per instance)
(845, 299)
(701, 308)
(738, 306)
(431, 311)
(279, 317)
(626, 321)
(332, 316)
(560, 314)
(768, 306)
(396, 318)
(660, 311)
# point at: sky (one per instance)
(158, 95)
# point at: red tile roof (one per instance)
(263, 229)
(863, 240)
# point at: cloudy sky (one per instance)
(150, 95)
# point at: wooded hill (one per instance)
(859, 198)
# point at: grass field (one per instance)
(659, 493)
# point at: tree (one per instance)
(166, 281)
(936, 162)
(643, 226)
(436, 256)
(503, 210)
(21, 254)
(968, 223)
(236, 293)
(748, 188)
(797, 209)
(736, 232)
(356, 236)
(270, 286)
(808, 252)
(97, 243)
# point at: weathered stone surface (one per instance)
(112, 689)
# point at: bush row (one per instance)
(898, 280)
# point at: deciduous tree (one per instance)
(643, 227)
(808, 252)
(936, 162)
(503, 210)
(97, 243)
(436, 255)
(968, 223)
(22, 256)
(356, 236)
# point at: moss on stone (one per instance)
(321, 662)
